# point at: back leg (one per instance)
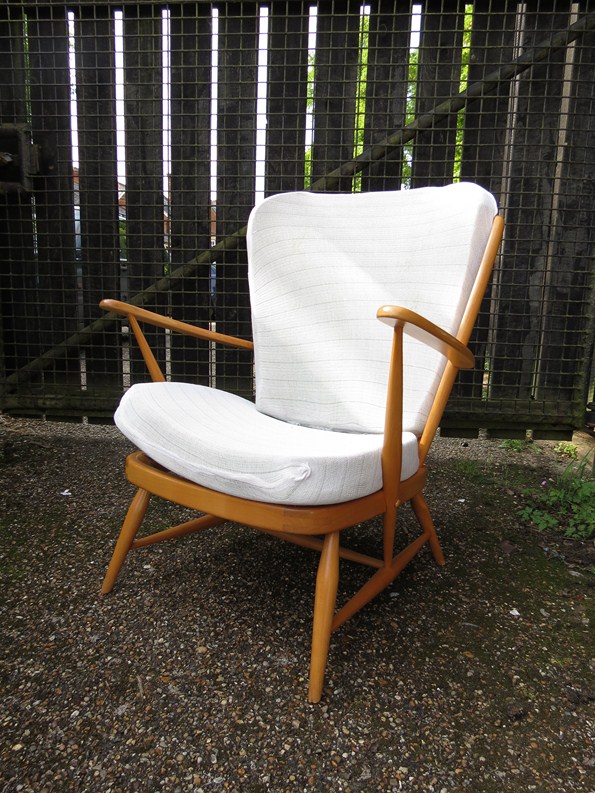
(422, 513)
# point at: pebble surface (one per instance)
(192, 674)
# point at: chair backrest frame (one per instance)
(464, 334)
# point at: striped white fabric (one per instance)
(221, 441)
(321, 265)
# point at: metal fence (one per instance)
(136, 136)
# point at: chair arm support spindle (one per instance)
(149, 359)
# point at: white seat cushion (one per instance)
(222, 442)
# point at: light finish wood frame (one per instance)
(316, 527)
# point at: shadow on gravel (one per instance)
(192, 674)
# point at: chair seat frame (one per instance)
(315, 527)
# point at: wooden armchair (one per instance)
(345, 409)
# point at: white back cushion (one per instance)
(320, 266)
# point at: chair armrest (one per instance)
(161, 321)
(425, 331)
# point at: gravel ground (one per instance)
(192, 674)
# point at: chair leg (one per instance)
(134, 517)
(422, 513)
(327, 580)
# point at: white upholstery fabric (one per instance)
(321, 265)
(222, 442)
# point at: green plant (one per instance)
(566, 504)
(540, 519)
(514, 444)
(467, 468)
(566, 449)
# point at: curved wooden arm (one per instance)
(161, 321)
(422, 329)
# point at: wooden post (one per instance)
(189, 185)
(528, 211)
(567, 318)
(386, 89)
(97, 187)
(439, 76)
(145, 218)
(335, 88)
(484, 155)
(236, 166)
(54, 299)
(17, 261)
(287, 96)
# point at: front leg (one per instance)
(134, 518)
(327, 581)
